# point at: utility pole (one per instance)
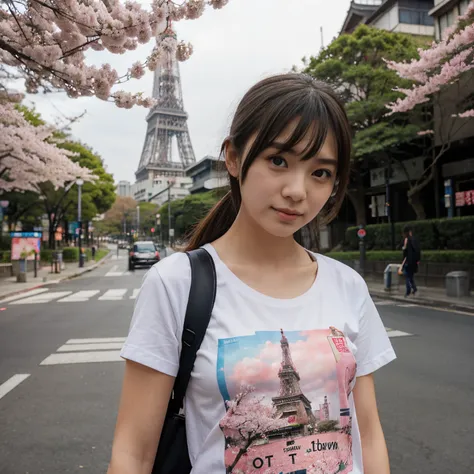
(138, 222)
(169, 213)
(79, 183)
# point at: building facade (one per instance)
(124, 189)
(207, 174)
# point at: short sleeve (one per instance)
(153, 336)
(374, 349)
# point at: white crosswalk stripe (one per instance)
(113, 295)
(47, 296)
(85, 351)
(79, 296)
(43, 297)
(37, 291)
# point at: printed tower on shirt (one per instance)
(167, 119)
(291, 403)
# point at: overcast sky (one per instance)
(233, 48)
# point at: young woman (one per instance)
(283, 380)
(411, 258)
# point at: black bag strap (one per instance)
(198, 314)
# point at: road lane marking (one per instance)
(384, 303)
(135, 293)
(82, 357)
(94, 340)
(43, 297)
(11, 383)
(113, 295)
(396, 333)
(90, 347)
(24, 295)
(80, 296)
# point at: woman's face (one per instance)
(282, 193)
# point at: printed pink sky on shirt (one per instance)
(287, 400)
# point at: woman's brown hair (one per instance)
(265, 111)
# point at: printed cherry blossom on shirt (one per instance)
(287, 400)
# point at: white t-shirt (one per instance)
(270, 392)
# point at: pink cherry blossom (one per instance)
(137, 71)
(29, 155)
(45, 41)
(438, 66)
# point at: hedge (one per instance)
(440, 256)
(444, 234)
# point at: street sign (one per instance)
(171, 232)
(361, 233)
(152, 230)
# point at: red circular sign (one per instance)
(361, 233)
(152, 230)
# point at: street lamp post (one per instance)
(138, 221)
(79, 183)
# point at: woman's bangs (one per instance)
(312, 120)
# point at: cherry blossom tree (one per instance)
(45, 41)
(439, 66)
(246, 421)
(442, 76)
(29, 155)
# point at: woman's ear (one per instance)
(232, 161)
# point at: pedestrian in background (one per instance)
(294, 336)
(411, 260)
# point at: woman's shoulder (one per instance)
(340, 273)
(172, 270)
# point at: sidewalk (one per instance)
(424, 297)
(10, 287)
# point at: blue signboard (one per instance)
(25, 234)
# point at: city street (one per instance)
(60, 378)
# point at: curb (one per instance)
(420, 301)
(69, 277)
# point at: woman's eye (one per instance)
(278, 161)
(323, 174)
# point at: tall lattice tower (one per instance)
(167, 120)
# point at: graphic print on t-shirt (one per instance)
(287, 402)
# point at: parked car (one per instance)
(143, 254)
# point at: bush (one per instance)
(70, 254)
(439, 256)
(456, 233)
(450, 234)
(5, 256)
(46, 255)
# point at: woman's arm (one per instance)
(374, 449)
(143, 405)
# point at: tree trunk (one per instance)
(417, 205)
(357, 198)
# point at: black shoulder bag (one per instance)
(172, 456)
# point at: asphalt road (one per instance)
(60, 360)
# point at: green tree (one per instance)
(148, 212)
(97, 197)
(187, 212)
(119, 218)
(354, 65)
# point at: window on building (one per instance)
(463, 6)
(415, 17)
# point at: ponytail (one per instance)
(217, 222)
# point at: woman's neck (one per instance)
(247, 242)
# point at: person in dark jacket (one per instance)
(411, 259)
